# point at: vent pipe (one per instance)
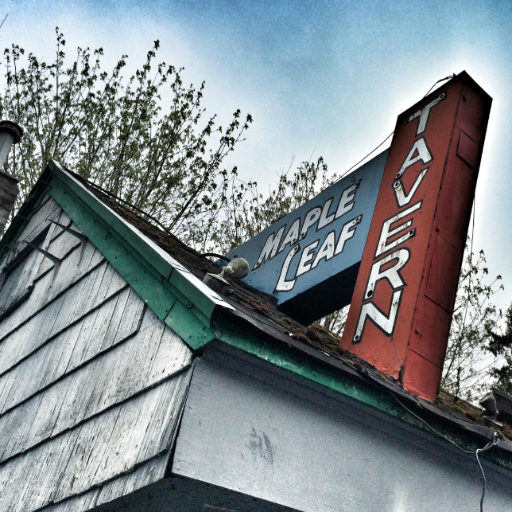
(10, 133)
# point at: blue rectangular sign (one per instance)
(309, 259)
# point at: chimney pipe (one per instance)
(10, 133)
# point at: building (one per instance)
(127, 384)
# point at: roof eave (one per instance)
(176, 296)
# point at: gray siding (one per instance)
(288, 442)
(92, 383)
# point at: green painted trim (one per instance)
(167, 302)
(332, 378)
(200, 300)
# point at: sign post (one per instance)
(403, 299)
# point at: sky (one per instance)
(320, 78)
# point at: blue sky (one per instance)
(321, 78)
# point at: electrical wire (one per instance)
(365, 157)
(473, 226)
(488, 446)
(430, 426)
(375, 149)
(440, 80)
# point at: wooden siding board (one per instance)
(85, 339)
(125, 320)
(161, 433)
(171, 352)
(42, 297)
(72, 348)
(57, 316)
(150, 472)
(93, 330)
(39, 233)
(91, 381)
(119, 374)
(79, 503)
(81, 298)
(6, 383)
(18, 282)
(49, 285)
(93, 449)
(37, 482)
(78, 262)
(60, 247)
(43, 367)
(27, 309)
(115, 454)
(20, 342)
(49, 209)
(96, 452)
(14, 430)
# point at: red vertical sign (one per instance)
(402, 304)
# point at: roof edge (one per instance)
(175, 295)
(201, 295)
(362, 388)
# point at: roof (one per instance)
(168, 276)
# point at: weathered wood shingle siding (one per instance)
(92, 383)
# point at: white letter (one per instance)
(424, 113)
(348, 231)
(270, 247)
(283, 285)
(391, 273)
(423, 154)
(324, 220)
(346, 203)
(305, 257)
(386, 233)
(383, 322)
(311, 217)
(401, 198)
(326, 250)
(292, 236)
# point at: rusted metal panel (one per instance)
(398, 315)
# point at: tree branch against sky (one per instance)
(170, 162)
(469, 367)
(116, 133)
(3, 21)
